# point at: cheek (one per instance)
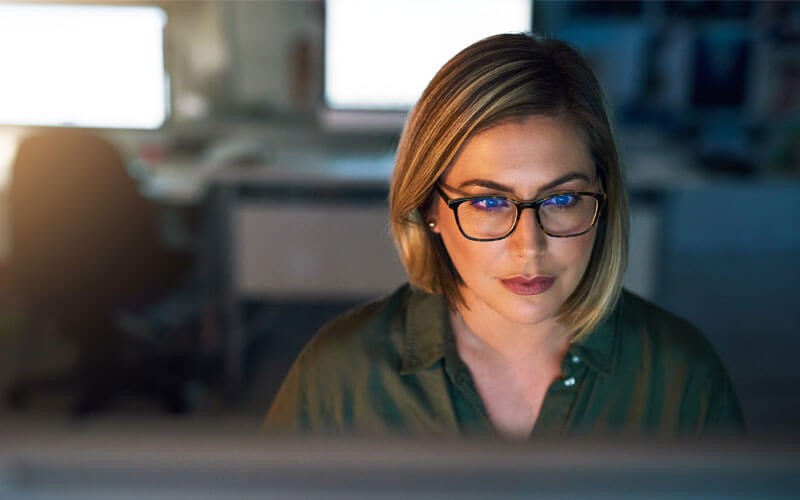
(462, 251)
(577, 252)
(470, 258)
(457, 246)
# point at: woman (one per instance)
(510, 215)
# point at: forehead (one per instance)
(524, 154)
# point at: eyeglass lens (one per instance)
(494, 216)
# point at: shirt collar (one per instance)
(596, 349)
(428, 328)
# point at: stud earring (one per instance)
(431, 224)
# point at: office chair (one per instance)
(84, 246)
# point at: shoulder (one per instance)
(365, 324)
(334, 369)
(641, 322)
(359, 337)
(682, 366)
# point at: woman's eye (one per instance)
(561, 201)
(489, 203)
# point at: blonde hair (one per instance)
(499, 79)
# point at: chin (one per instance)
(530, 315)
(526, 311)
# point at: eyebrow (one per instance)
(489, 184)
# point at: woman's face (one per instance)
(526, 277)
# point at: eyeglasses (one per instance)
(490, 218)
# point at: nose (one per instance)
(528, 239)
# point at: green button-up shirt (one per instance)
(392, 366)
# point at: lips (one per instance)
(529, 286)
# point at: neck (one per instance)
(491, 333)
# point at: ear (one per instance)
(432, 217)
(430, 213)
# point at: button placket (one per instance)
(571, 370)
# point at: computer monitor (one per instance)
(129, 464)
(380, 54)
(99, 66)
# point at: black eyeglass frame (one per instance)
(453, 203)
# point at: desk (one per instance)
(307, 227)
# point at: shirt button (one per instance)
(576, 359)
(569, 382)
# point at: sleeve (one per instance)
(300, 406)
(724, 417)
(288, 413)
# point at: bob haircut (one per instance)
(500, 79)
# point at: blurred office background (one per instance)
(266, 190)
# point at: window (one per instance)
(380, 54)
(85, 66)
